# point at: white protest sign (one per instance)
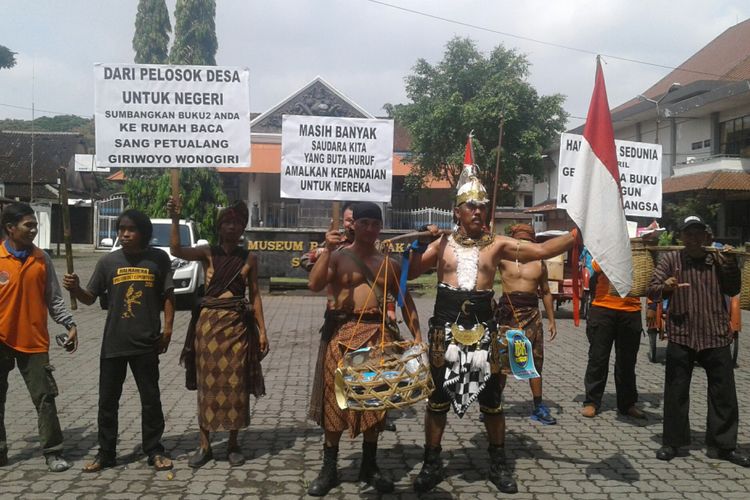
(640, 174)
(153, 115)
(330, 158)
(85, 163)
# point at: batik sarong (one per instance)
(521, 310)
(349, 336)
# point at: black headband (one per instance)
(366, 210)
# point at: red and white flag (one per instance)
(595, 200)
(469, 153)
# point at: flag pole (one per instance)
(497, 174)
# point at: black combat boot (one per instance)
(499, 473)
(369, 472)
(329, 475)
(432, 470)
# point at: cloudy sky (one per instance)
(362, 47)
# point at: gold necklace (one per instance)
(468, 242)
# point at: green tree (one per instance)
(151, 46)
(194, 44)
(152, 29)
(195, 33)
(7, 57)
(703, 204)
(470, 91)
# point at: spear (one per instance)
(497, 174)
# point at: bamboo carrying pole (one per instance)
(412, 236)
(62, 172)
(672, 248)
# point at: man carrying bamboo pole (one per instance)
(696, 282)
(359, 279)
(464, 352)
(28, 291)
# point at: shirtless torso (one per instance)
(522, 277)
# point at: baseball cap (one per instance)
(693, 220)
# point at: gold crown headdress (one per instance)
(469, 188)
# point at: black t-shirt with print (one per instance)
(135, 287)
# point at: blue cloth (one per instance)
(21, 255)
(417, 247)
(520, 355)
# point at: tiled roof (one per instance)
(51, 150)
(724, 58)
(716, 181)
(401, 138)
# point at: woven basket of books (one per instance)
(376, 379)
(643, 269)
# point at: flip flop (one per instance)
(100, 462)
(160, 462)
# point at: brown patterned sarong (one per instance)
(221, 349)
(348, 337)
(526, 318)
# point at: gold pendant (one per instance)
(468, 337)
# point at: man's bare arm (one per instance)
(523, 251)
(409, 309)
(72, 283)
(420, 263)
(547, 302)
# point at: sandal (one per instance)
(235, 457)
(100, 462)
(160, 462)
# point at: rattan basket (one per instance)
(375, 379)
(643, 269)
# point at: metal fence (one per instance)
(316, 215)
(414, 219)
(283, 214)
(105, 216)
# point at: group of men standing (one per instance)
(464, 334)
(465, 367)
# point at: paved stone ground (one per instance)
(605, 457)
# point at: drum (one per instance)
(375, 379)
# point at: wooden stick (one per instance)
(335, 214)
(497, 174)
(62, 172)
(413, 235)
(174, 174)
(672, 248)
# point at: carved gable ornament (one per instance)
(318, 98)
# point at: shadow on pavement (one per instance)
(77, 442)
(646, 401)
(254, 443)
(518, 445)
(615, 468)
